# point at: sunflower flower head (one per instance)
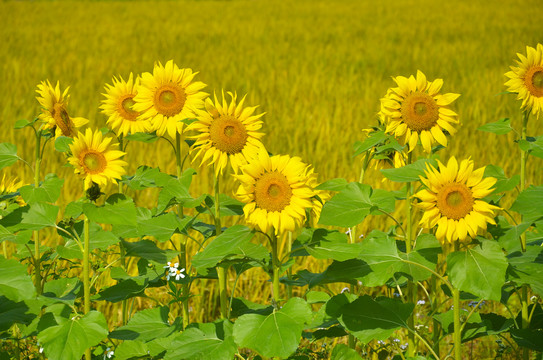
(168, 96)
(54, 112)
(118, 103)
(95, 159)
(526, 79)
(227, 132)
(453, 201)
(416, 109)
(276, 191)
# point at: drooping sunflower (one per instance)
(527, 79)
(55, 110)
(276, 191)
(96, 159)
(168, 96)
(118, 107)
(416, 110)
(227, 132)
(453, 202)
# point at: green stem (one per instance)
(182, 246)
(124, 304)
(275, 268)
(86, 274)
(289, 272)
(436, 324)
(456, 313)
(411, 289)
(221, 271)
(37, 256)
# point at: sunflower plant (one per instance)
(115, 274)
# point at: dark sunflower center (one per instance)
(228, 134)
(419, 111)
(534, 81)
(455, 200)
(93, 162)
(272, 192)
(126, 110)
(170, 99)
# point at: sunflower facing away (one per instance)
(227, 132)
(527, 79)
(168, 96)
(96, 159)
(416, 110)
(54, 110)
(452, 200)
(122, 118)
(276, 191)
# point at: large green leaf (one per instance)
(39, 216)
(131, 349)
(12, 312)
(147, 325)
(176, 191)
(146, 177)
(527, 268)
(204, 341)
(48, 191)
(118, 210)
(15, 283)
(148, 250)
(532, 145)
(227, 206)
(408, 173)
(529, 202)
(479, 270)
(326, 244)
(343, 352)
(124, 289)
(373, 139)
(369, 319)
(500, 127)
(233, 243)
(379, 251)
(277, 334)
(504, 183)
(71, 338)
(8, 155)
(161, 227)
(337, 184)
(98, 239)
(356, 201)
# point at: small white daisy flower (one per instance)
(178, 274)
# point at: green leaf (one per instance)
(373, 139)
(119, 210)
(343, 352)
(277, 334)
(131, 349)
(379, 251)
(147, 325)
(242, 306)
(161, 227)
(314, 297)
(147, 249)
(479, 270)
(333, 185)
(62, 144)
(351, 206)
(528, 338)
(48, 191)
(232, 243)
(146, 177)
(529, 202)
(176, 191)
(532, 145)
(370, 319)
(500, 127)
(124, 289)
(39, 216)
(228, 206)
(409, 173)
(142, 137)
(504, 183)
(70, 339)
(204, 341)
(527, 268)
(20, 124)
(62, 290)
(12, 312)
(8, 155)
(328, 244)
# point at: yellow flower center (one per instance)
(419, 111)
(170, 100)
(62, 119)
(455, 200)
(272, 192)
(228, 134)
(125, 109)
(534, 80)
(92, 161)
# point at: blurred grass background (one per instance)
(317, 68)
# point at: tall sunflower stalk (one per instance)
(221, 271)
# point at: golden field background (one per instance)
(317, 68)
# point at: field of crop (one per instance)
(318, 69)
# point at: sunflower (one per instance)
(416, 110)
(96, 159)
(8, 187)
(276, 191)
(168, 96)
(227, 132)
(453, 202)
(527, 79)
(118, 107)
(54, 110)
